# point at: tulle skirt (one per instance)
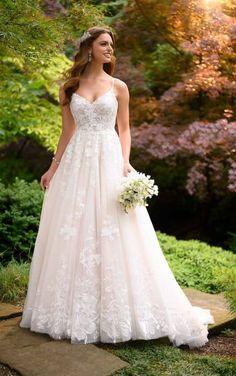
(97, 273)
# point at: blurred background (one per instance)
(178, 60)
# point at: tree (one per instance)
(37, 42)
(208, 34)
(197, 107)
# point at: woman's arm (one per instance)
(123, 123)
(68, 128)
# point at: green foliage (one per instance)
(11, 167)
(33, 62)
(19, 219)
(30, 103)
(165, 67)
(230, 293)
(113, 9)
(13, 281)
(232, 241)
(198, 265)
(29, 34)
(24, 28)
(150, 358)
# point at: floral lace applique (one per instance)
(98, 116)
(71, 225)
(90, 255)
(68, 231)
(109, 228)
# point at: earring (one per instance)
(89, 56)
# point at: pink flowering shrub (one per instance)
(208, 151)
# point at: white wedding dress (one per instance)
(98, 273)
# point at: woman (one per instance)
(98, 273)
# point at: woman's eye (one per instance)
(104, 44)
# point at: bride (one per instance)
(98, 273)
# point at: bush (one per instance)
(232, 241)
(19, 219)
(11, 167)
(196, 264)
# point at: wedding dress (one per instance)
(98, 273)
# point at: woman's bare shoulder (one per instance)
(62, 87)
(62, 94)
(119, 83)
(121, 87)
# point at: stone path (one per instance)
(35, 354)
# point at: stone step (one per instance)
(218, 305)
(36, 354)
(8, 311)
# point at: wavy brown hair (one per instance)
(72, 75)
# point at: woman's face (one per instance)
(102, 48)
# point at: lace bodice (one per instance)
(97, 115)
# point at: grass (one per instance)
(150, 358)
(13, 281)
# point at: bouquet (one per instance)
(135, 189)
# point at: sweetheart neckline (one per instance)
(100, 96)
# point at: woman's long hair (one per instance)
(72, 75)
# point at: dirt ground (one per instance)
(223, 344)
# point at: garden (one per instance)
(178, 59)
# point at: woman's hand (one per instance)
(127, 168)
(46, 177)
